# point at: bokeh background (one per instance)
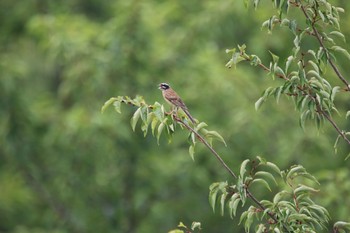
(65, 167)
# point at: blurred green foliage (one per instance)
(67, 168)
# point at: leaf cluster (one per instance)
(292, 207)
(303, 74)
(155, 117)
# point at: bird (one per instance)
(174, 99)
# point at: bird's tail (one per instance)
(189, 115)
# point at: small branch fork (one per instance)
(218, 157)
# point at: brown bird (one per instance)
(174, 99)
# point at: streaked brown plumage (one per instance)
(174, 99)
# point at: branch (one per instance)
(249, 194)
(200, 138)
(319, 108)
(317, 35)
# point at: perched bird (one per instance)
(174, 99)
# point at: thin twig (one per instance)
(200, 138)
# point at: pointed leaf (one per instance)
(347, 114)
(160, 130)
(222, 203)
(303, 189)
(338, 34)
(214, 189)
(244, 215)
(274, 167)
(263, 182)
(278, 94)
(279, 196)
(215, 135)
(259, 103)
(234, 201)
(243, 167)
(265, 175)
(342, 225)
(294, 171)
(200, 126)
(154, 124)
(135, 118)
(191, 151)
(109, 102)
(341, 50)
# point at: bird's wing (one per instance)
(179, 103)
(175, 100)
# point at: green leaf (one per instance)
(314, 66)
(310, 177)
(160, 130)
(261, 228)
(215, 135)
(254, 60)
(243, 167)
(234, 201)
(214, 189)
(347, 114)
(279, 72)
(265, 175)
(200, 126)
(293, 26)
(109, 102)
(342, 225)
(117, 105)
(294, 171)
(158, 111)
(181, 225)
(314, 73)
(324, 94)
(274, 167)
(278, 197)
(176, 231)
(191, 151)
(196, 225)
(348, 156)
(299, 217)
(135, 118)
(244, 215)
(336, 143)
(222, 203)
(338, 34)
(335, 90)
(154, 124)
(303, 118)
(256, 3)
(278, 92)
(275, 58)
(304, 189)
(249, 221)
(258, 103)
(263, 182)
(288, 62)
(341, 50)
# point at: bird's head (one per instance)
(164, 86)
